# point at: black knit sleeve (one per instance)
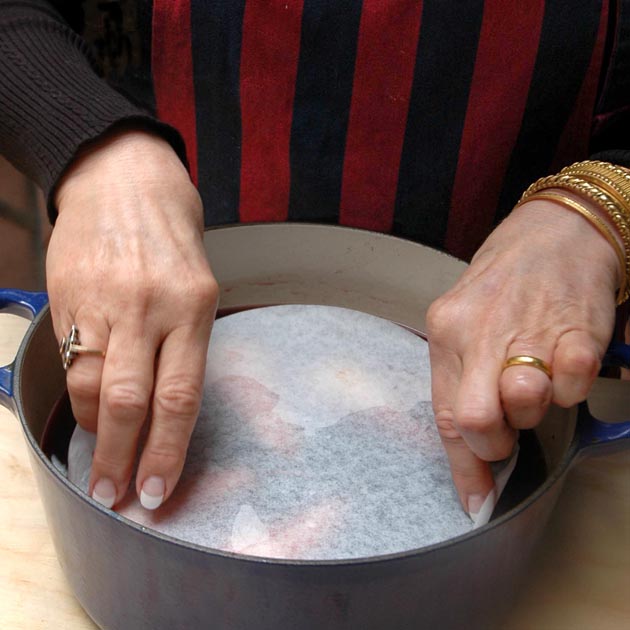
(52, 102)
(616, 156)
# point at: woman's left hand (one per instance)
(543, 285)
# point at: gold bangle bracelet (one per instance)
(595, 221)
(622, 171)
(577, 184)
(616, 187)
(618, 176)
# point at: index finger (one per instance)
(471, 475)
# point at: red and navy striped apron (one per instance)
(425, 118)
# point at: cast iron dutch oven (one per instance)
(129, 578)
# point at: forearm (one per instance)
(52, 102)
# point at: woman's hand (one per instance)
(543, 284)
(126, 264)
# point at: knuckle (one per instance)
(446, 426)
(126, 402)
(198, 295)
(441, 318)
(210, 287)
(178, 398)
(476, 420)
(170, 455)
(112, 465)
(434, 315)
(579, 360)
(465, 473)
(204, 292)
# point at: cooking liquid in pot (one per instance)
(529, 473)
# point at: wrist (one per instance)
(595, 209)
(122, 154)
(589, 229)
(605, 188)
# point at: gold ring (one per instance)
(525, 359)
(70, 347)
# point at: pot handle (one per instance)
(597, 437)
(617, 355)
(600, 436)
(25, 304)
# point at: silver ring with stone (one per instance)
(70, 347)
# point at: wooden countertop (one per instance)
(580, 578)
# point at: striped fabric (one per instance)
(424, 118)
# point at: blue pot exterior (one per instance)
(125, 577)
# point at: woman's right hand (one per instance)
(126, 264)
(542, 285)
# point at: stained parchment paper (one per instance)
(315, 441)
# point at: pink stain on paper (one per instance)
(296, 537)
(254, 403)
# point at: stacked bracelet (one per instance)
(613, 179)
(608, 187)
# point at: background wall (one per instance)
(24, 231)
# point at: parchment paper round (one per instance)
(315, 441)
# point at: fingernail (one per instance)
(480, 507)
(152, 493)
(104, 492)
(475, 501)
